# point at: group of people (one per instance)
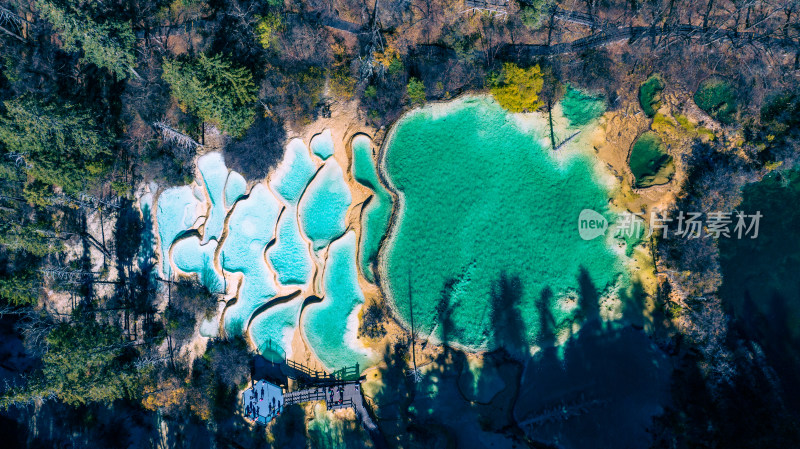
(340, 390)
(253, 409)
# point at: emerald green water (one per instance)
(581, 107)
(487, 238)
(718, 98)
(377, 213)
(330, 325)
(649, 163)
(650, 94)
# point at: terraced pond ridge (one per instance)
(483, 232)
(277, 250)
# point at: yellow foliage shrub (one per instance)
(517, 89)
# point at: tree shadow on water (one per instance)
(588, 298)
(508, 327)
(547, 324)
(453, 403)
(605, 377)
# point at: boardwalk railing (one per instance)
(305, 371)
(347, 373)
(296, 397)
(578, 17)
(275, 354)
(347, 403)
(317, 394)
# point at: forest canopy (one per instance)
(214, 88)
(59, 142)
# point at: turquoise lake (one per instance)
(488, 226)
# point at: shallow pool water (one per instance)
(272, 329)
(277, 236)
(378, 211)
(290, 255)
(488, 232)
(292, 176)
(649, 162)
(250, 228)
(190, 256)
(580, 107)
(324, 205)
(215, 174)
(328, 324)
(322, 144)
(235, 188)
(176, 213)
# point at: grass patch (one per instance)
(663, 124)
(692, 129)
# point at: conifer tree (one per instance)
(215, 89)
(108, 45)
(60, 143)
(83, 363)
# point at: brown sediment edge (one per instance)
(166, 259)
(224, 234)
(317, 299)
(223, 237)
(303, 236)
(314, 136)
(156, 233)
(360, 236)
(310, 299)
(319, 265)
(276, 300)
(265, 260)
(313, 299)
(627, 167)
(361, 206)
(272, 242)
(228, 304)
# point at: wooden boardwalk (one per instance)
(339, 389)
(337, 397)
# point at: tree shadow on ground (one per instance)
(259, 150)
(758, 403)
(134, 243)
(289, 429)
(329, 431)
